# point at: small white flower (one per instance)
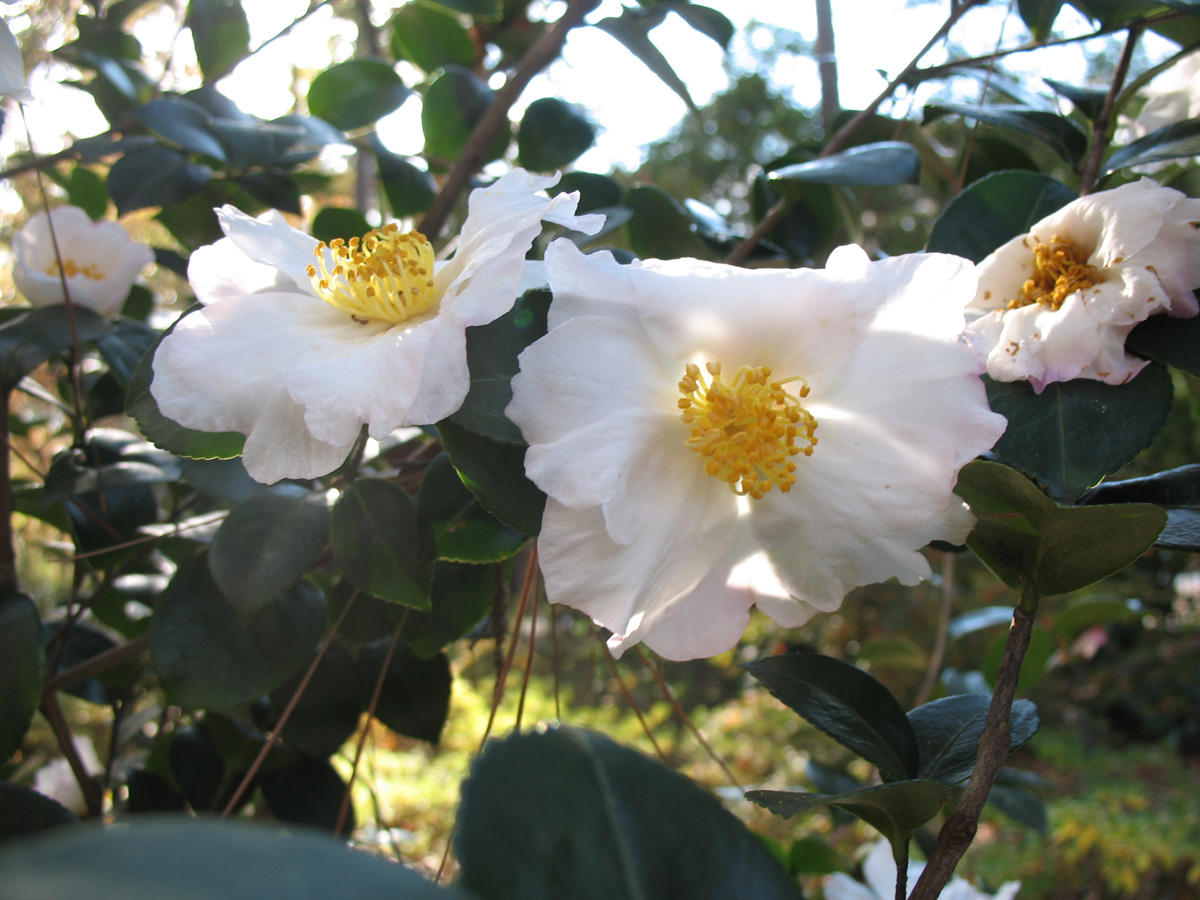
(301, 344)
(879, 870)
(57, 781)
(12, 67)
(101, 261)
(711, 438)
(1061, 300)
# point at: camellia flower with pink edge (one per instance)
(1057, 303)
(300, 344)
(711, 438)
(99, 259)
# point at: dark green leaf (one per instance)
(661, 228)
(380, 545)
(896, 810)
(847, 704)
(409, 190)
(206, 655)
(307, 793)
(339, 222)
(707, 21)
(329, 707)
(480, 9)
(1027, 539)
(452, 106)
(553, 134)
(492, 352)
(596, 192)
(463, 531)
(994, 210)
(430, 37)
(77, 644)
(86, 190)
(462, 596)
(568, 813)
(163, 432)
(495, 473)
(356, 93)
(1089, 101)
(1039, 16)
(869, 165)
(1082, 613)
(274, 189)
(1170, 341)
(1062, 134)
(632, 29)
(123, 345)
(22, 664)
(155, 176)
(1011, 795)
(221, 34)
(415, 699)
(24, 811)
(1074, 433)
(1176, 490)
(176, 858)
(813, 855)
(948, 732)
(266, 544)
(1175, 141)
(30, 338)
(185, 124)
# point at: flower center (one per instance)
(1060, 269)
(382, 276)
(70, 269)
(746, 429)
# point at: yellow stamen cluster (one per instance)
(70, 268)
(1060, 269)
(382, 276)
(746, 429)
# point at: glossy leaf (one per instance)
(22, 665)
(185, 124)
(178, 858)
(1039, 16)
(994, 210)
(415, 699)
(869, 165)
(495, 473)
(409, 190)
(896, 810)
(334, 222)
(380, 545)
(569, 813)
(463, 531)
(267, 543)
(492, 352)
(272, 189)
(1076, 432)
(660, 227)
(632, 29)
(1061, 134)
(86, 190)
(221, 34)
(1089, 101)
(1175, 490)
(207, 655)
(430, 37)
(452, 106)
(948, 732)
(155, 176)
(462, 596)
(123, 345)
(847, 704)
(1027, 539)
(356, 93)
(552, 135)
(1170, 341)
(596, 192)
(1175, 141)
(23, 811)
(30, 338)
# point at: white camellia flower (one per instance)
(711, 438)
(12, 67)
(1173, 96)
(300, 344)
(100, 260)
(1057, 303)
(879, 871)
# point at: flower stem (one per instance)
(994, 744)
(1100, 126)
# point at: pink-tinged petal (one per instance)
(271, 241)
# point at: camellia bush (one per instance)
(301, 452)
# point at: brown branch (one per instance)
(101, 662)
(495, 117)
(9, 583)
(938, 653)
(66, 742)
(994, 745)
(1100, 135)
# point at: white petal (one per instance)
(12, 67)
(271, 241)
(879, 869)
(593, 285)
(842, 887)
(221, 271)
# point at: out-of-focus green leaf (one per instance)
(380, 544)
(1170, 341)
(979, 619)
(24, 811)
(409, 190)
(480, 9)
(154, 176)
(309, 792)
(1089, 101)
(813, 855)
(1061, 134)
(1174, 141)
(273, 189)
(1042, 647)
(221, 34)
(552, 135)
(707, 21)
(334, 222)
(596, 192)
(356, 93)
(869, 165)
(22, 664)
(123, 345)
(462, 595)
(1082, 613)
(1039, 16)
(30, 338)
(660, 227)
(415, 699)
(632, 29)
(183, 123)
(428, 36)
(86, 190)
(452, 106)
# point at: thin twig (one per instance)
(1100, 125)
(66, 742)
(101, 662)
(616, 674)
(528, 657)
(938, 653)
(554, 646)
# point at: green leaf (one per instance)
(632, 29)
(896, 810)
(339, 222)
(309, 792)
(154, 176)
(30, 338)
(1039, 16)
(707, 21)
(596, 192)
(553, 134)
(328, 710)
(568, 813)
(463, 531)
(495, 473)
(869, 165)
(178, 858)
(492, 352)
(1089, 101)
(897, 652)
(273, 189)
(266, 544)
(123, 345)
(86, 190)
(847, 704)
(1026, 539)
(221, 34)
(813, 855)
(380, 545)
(1167, 340)
(462, 596)
(185, 124)
(480, 9)
(409, 190)
(1175, 141)
(430, 37)
(454, 103)
(660, 227)
(206, 655)
(1074, 433)
(22, 664)
(1062, 135)
(1082, 613)
(415, 699)
(948, 732)
(356, 93)
(165, 433)
(24, 811)
(1175, 490)
(994, 210)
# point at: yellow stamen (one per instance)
(1060, 269)
(70, 268)
(383, 276)
(746, 429)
